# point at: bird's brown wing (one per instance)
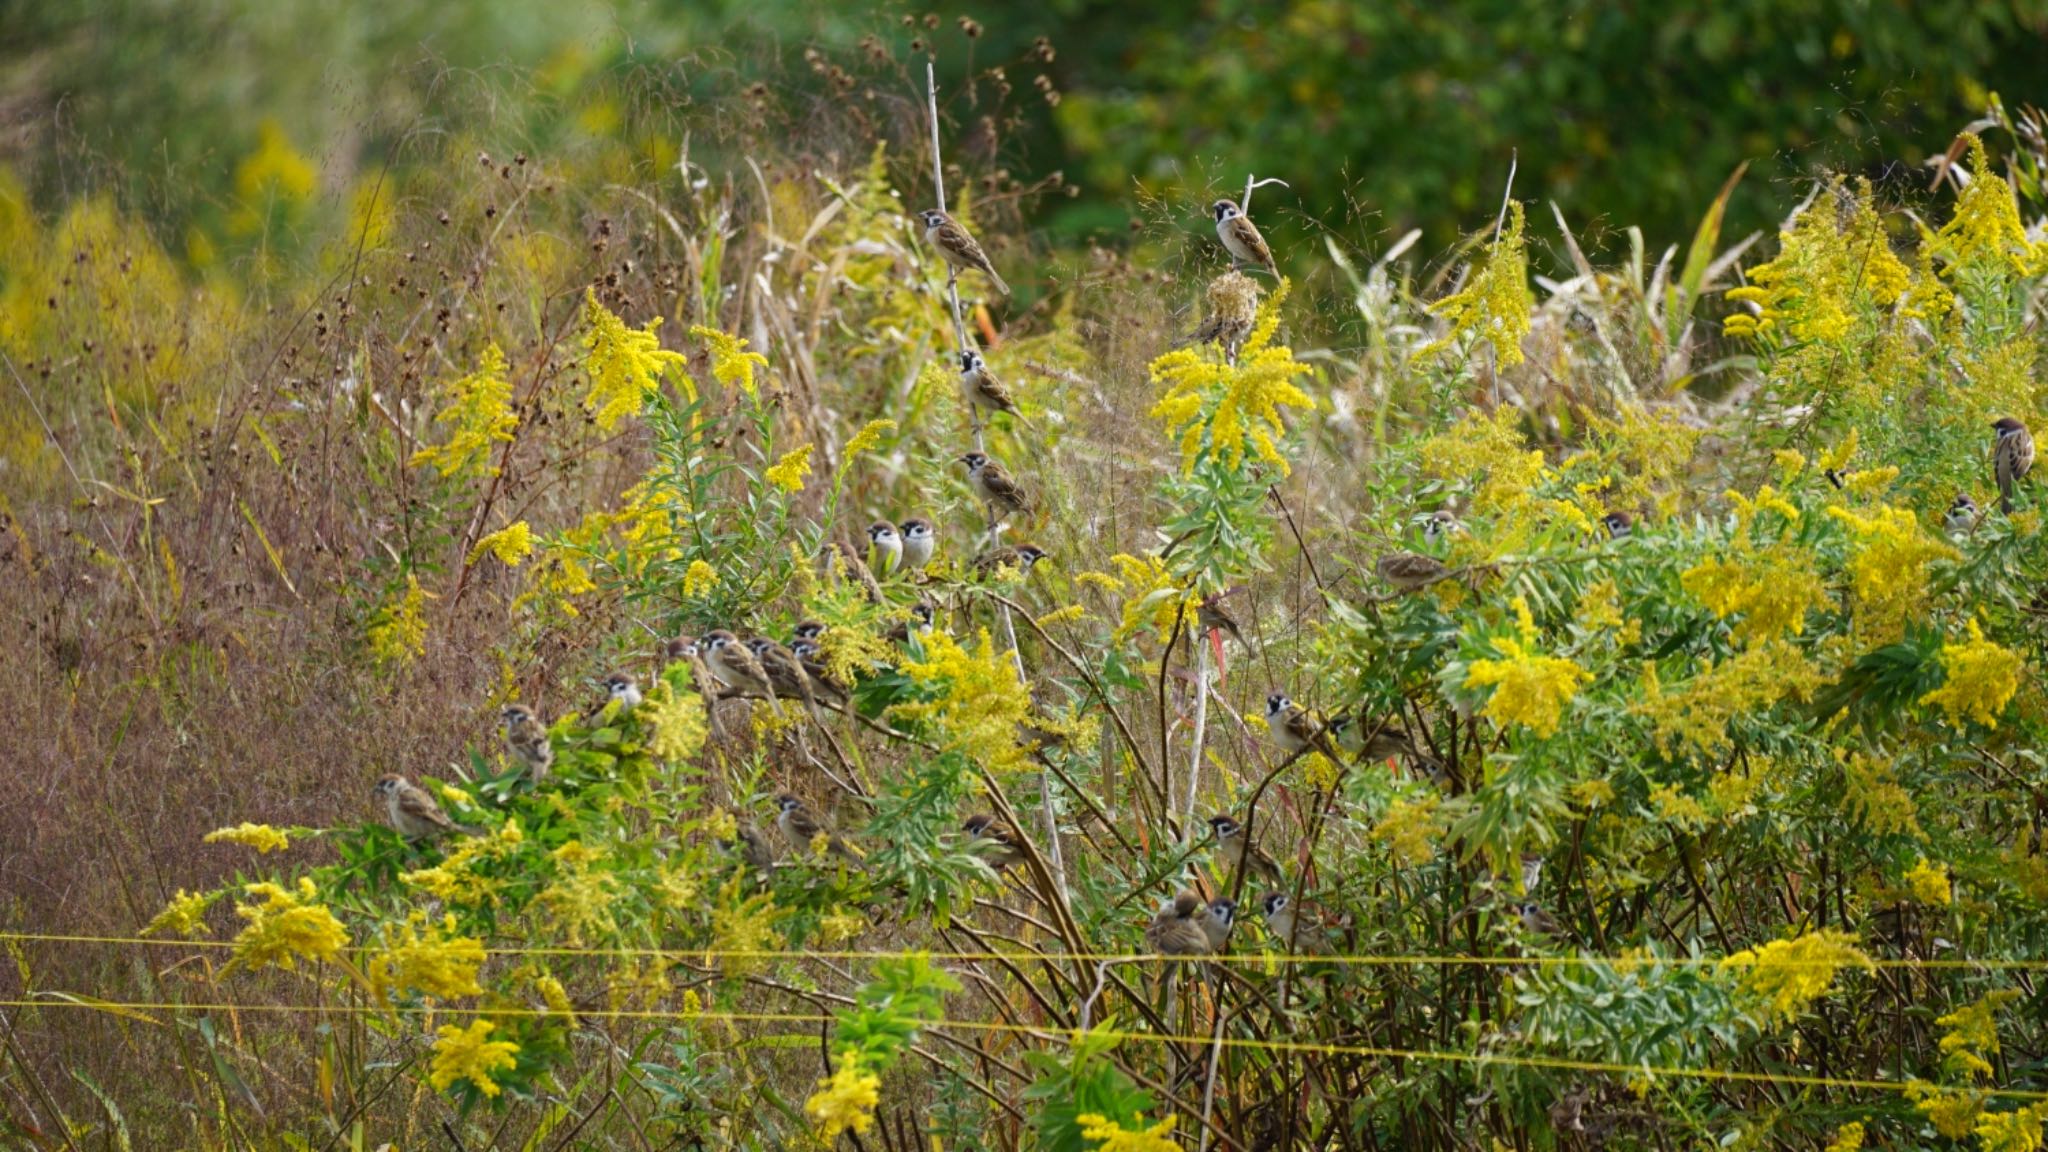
(1246, 233)
(966, 251)
(415, 802)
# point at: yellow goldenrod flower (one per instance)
(1678, 808)
(788, 473)
(1986, 234)
(845, 1101)
(1952, 1113)
(1411, 830)
(625, 365)
(511, 545)
(455, 881)
(1486, 446)
(1115, 1137)
(1771, 590)
(1889, 570)
(262, 837)
(1211, 406)
(1971, 1036)
(742, 926)
(438, 962)
(478, 415)
(275, 174)
(731, 364)
(1876, 799)
(399, 632)
(979, 700)
(698, 579)
(1592, 794)
(452, 796)
(2016, 1131)
(679, 723)
(470, 1054)
(839, 927)
(1928, 883)
(581, 895)
(1787, 975)
(870, 435)
(555, 997)
(1155, 599)
(1848, 1138)
(1528, 688)
(287, 925)
(1495, 303)
(1831, 267)
(182, 914)
(1982, 678)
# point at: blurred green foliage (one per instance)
(1379, 115)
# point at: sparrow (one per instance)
(1212, 618)
(837, 561)
(734, 664)
(411, 810)
(685, 648)
(1440, 524)
(919, 542)
(920, 623)
(1294, 932)
(959, 249)
(1232, 308)
(1222, 915)
(1000, 845)
(1241, 237)
(800, 828)
(622, 687)
(823, 685)
(785, 673)
(1534, 919)
(1295, 729)
(808, 630)
(1233, 851)
(885, 548)
(751, 846)
(1365, 745)
(2012, 456)
(1618, 524)
(1962, 516)
(1532, 871)
(994, 486)
(1180, 928)
(1409, 571)
(1020, 557)
(984, 393)
(528, 739)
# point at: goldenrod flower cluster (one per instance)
(846, 1100)
(581, 893)
(468, 1053)
(262, 837)
(1495, 304)
(1785, 976)
(625, 365)
(1986, 233)
(511, 544)
(456, 880)
(1829, 269)
(478, 415)
(678, 720)
(789, 472)
(1115, 1137)
(1528, 688)
(399, 632)
(1217, 409)
(286, 926)
(978, 701)
(731, 364)
(182, 915)
(435, 959)
(1888, 572)
(1971, 1036)
(1981, 679)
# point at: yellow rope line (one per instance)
(1438, 1055)
(1360, 959)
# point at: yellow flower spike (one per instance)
(511, 545)
(262, 837)
(580, 897)
(1489, 445)
(286, 926)
(625, 365)
(478, 415)
(399, 633)
(1788, 975)
(2016, 1131)
(699, 578)
(731, 364)
(468, 1053)
(679, 721)
(1411, 830)
(789, 472)
(1888, 572)
(846, 1100)
(182, 915)
(1986, 233)
(434, 959)
(1848, 1138)
(1115, 1137)
(1928, 883)
(1211, 406)
(1528, 688)
(1982, 678)
(1495, 303)
(864, 440)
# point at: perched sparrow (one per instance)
(409, 808)
(1000, 844)
(959, 249)
(1212, 618)
(785, 672)
(823, 685)
(808, 629)
(1295, 729)
(1440, 524)
(688, 649)
(1233, 851)
(1020, 557)
(920, 623)
(1296, 933)
(800, 828)
(1222, 915)
(983, 391)
(2012, 456)
(1368, 742)
(527, 737)
(1532, 871)
(1241, 237)
(1409, 571)
(1180, 928)
(1962, 515)
(1228, 313)
(1618, 524)
(994, 485)
(735, 664)
(622, 687)
(919, 542)
(751, 846)
(885, 548)
(838, 562)
(1535, 920)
